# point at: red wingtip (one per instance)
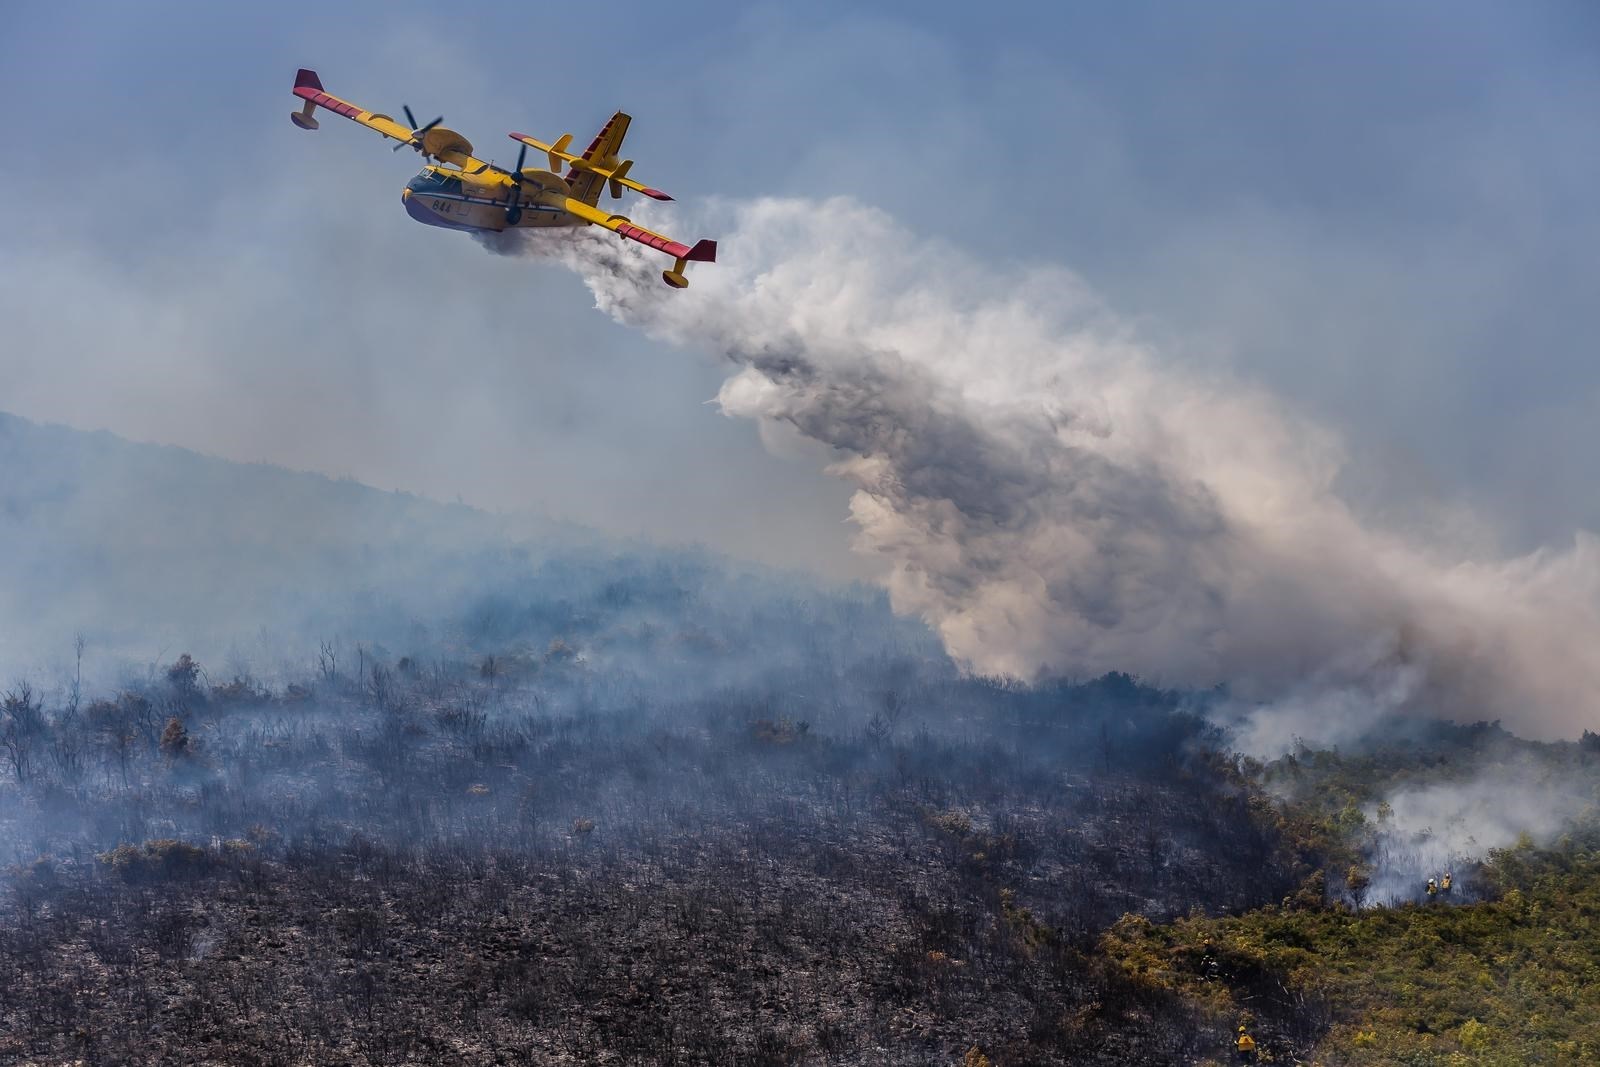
(307, 79)
(655, 194)
(703, 252)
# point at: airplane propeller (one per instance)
(514, 212)
(416, 131)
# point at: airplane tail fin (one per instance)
(307, 80)
(603, 152)
(704, 251)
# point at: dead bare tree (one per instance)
(21, 724)
(328, 662)
(75, 697)
(66, 745)
(113, 726)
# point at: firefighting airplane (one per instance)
(460, 192)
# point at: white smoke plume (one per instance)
(1054, 498)
(1435, 828)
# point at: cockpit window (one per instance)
(434, 182)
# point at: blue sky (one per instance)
(1382, 212)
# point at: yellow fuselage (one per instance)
(441, 196)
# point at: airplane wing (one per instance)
(444, 145)
(702, 252)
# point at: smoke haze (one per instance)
(1442, 827)
(1054, 499)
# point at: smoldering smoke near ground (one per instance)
(1054, 498)
(1430, 829)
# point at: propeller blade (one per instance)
(416, 131)
(514, 198)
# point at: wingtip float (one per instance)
(461, 192)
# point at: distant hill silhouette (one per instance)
(147, 549)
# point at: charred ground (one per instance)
(437, 865)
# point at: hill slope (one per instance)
(412, 784)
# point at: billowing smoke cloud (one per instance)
(1054, 498)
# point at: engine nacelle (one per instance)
(439, 141)
(543, 180)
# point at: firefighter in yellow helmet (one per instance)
(1246, 1046)
(1444, 884)
(1433, 888)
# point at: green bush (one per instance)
(1480, 983)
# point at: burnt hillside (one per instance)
(442, 865)
(425, 788)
